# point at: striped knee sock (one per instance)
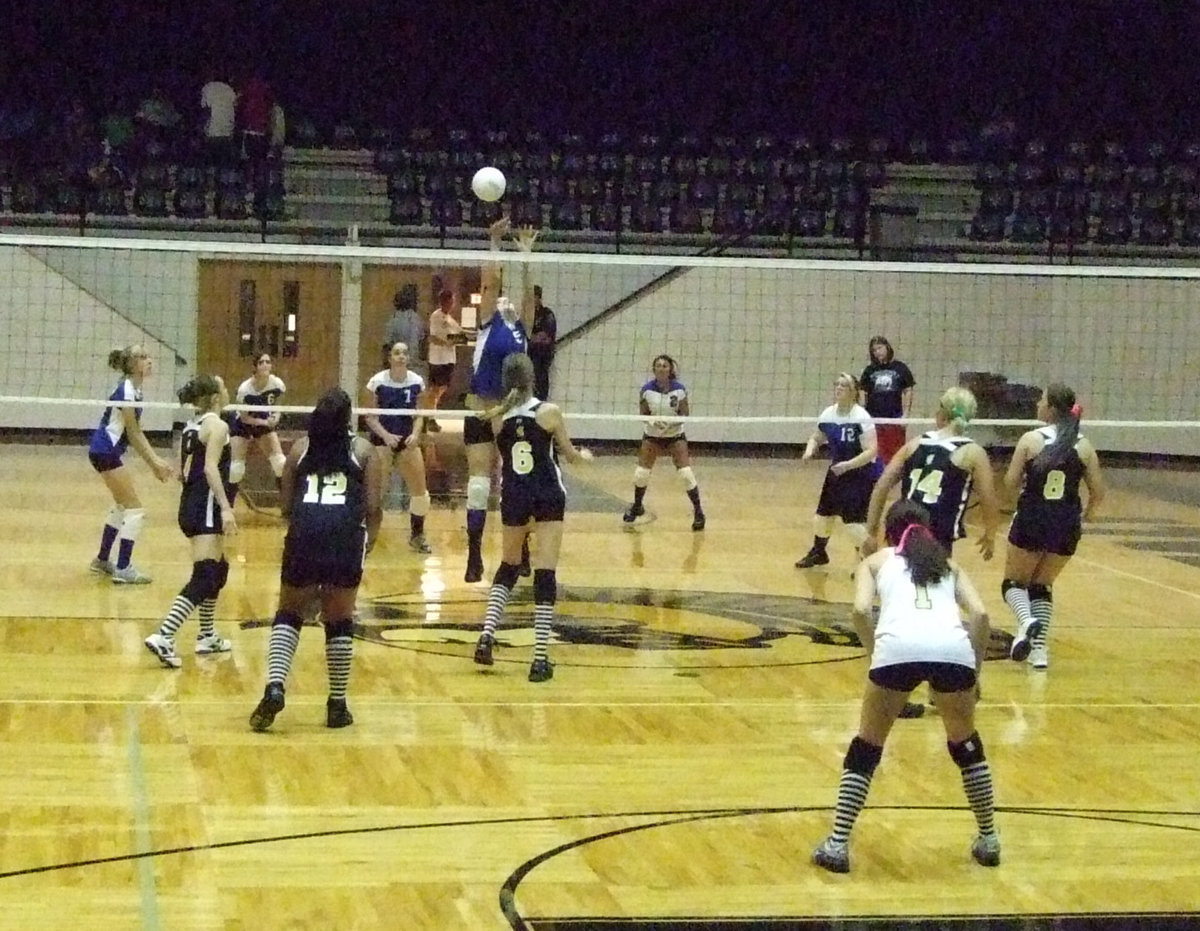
(281, 650)
(181, 609)
(339, 651)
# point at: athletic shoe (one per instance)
(212, 643)
(832, 856)
(130, 575)
(542, 670)
(912, 709)
(1023, 641)
(1039, 657)
(474, 571)
(164, 649)
(100, 566)
(633, 512)
(418, 544)
(272, 703)
(986, 850)
(337, 714)
(483, 650)
(812, 559)
(698, 521)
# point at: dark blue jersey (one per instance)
(1051, 497)
(329, 509)
(527, 453)
(935, 482)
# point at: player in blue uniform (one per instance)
(530, 434)
(503, 331)
(397, 437)
(1048, 466)
(120, 428)
(332, 498)
(849, 432)
(256, 428)
(664, 398)
(205, 516)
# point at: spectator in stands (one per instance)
(278, 131)
(157, 119)
(254, 102)
(218, 101)
(405, 326)
(886, 391)
(542, 339)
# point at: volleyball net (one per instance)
(758, 341)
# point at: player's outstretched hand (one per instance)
(525, 237)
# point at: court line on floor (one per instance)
(1138, 578)
(372, 702)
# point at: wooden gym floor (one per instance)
(676, 772)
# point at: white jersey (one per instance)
(918, 624)
(663, 404)
(443, 325)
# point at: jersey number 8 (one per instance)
(1055, 486)
(522, 457)
(325, 489)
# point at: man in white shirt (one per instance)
(445, 333)
(219, 102)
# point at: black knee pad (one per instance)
(545, 586)
(1040, 593)
(203, 584)
(967, 753)
(342, 628)
(507, 574)
(222, 573)
(1007, 584)
(862, 757)
(294, 621)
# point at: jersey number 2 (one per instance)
(328, 489)
(522, 457)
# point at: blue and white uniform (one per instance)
(247, 393)
(109, 440)
(395, 395)
(663, 404)
(847, 495)
(497, 340)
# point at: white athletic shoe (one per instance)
(212, 643)
(1039, 657)
(164, 649)
(100, 566)
(130, 575)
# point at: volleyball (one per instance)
(488, 184)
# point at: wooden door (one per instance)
(292, 311)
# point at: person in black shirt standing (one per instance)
(886, 388)
(530, 435)
(542, 338)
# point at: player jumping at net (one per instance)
(1048, 465)
(666, 399)
(530, 434)
(120, 428)
(503, 331)
(256, 428)
(205, 517)
(332, 498)
(397, 437)
(920, 636)
(849, 432)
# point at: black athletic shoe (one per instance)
(483, 650)
(912, 709)
(698, 521)
(337, 714)
(812, 559)
(542, 670)
(474, 571)
(272, 703)
(633, 512)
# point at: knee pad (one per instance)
(205, 582)
(418, 505)
(341, 628)
(545, 586)
(862, 757)
(688, 477)
(116, 517)
(277, 460)
(222, 573)
(1007, 585)
(479, 489)
(284, 619)
(968, 753)
(237, 471)
(132, 522)
(641, 476)
(1040, 593)
(506, 575)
